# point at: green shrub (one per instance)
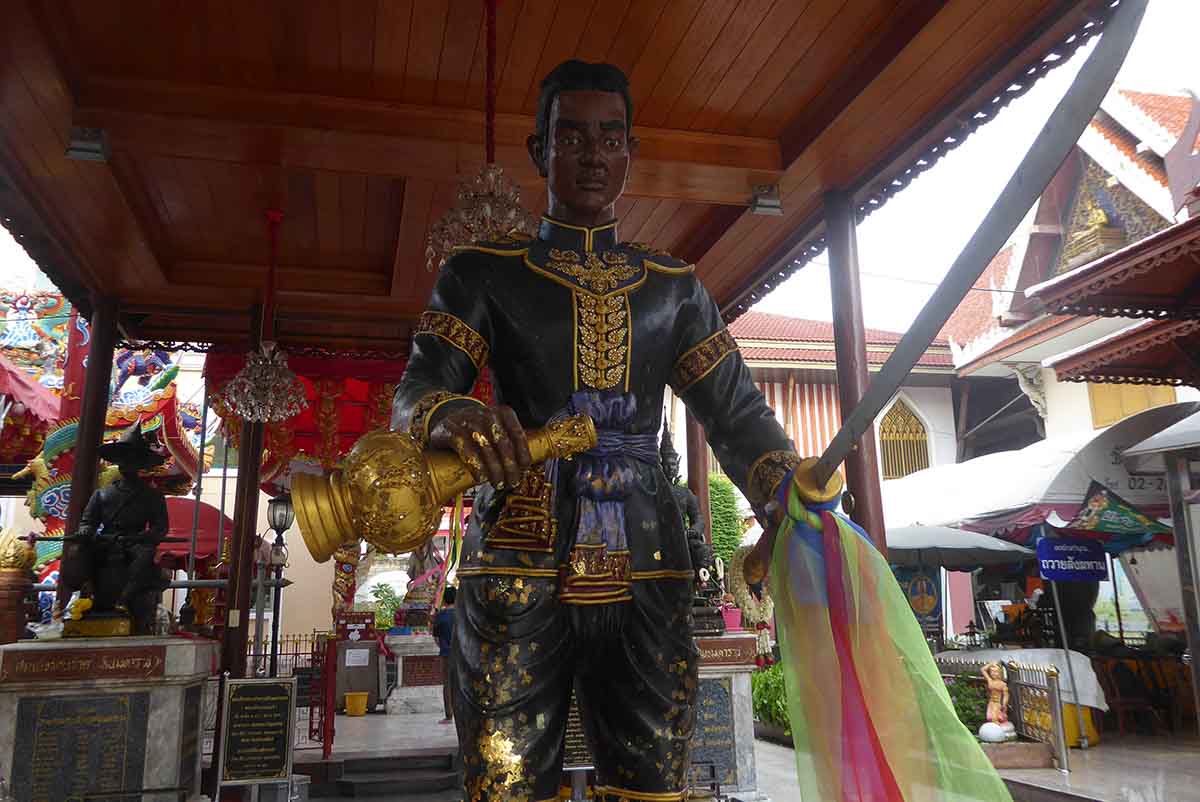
(770, 700)
(970, 700)
(726, 519)
(386, 604)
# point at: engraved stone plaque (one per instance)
(189, 737)
(713, 740)
(75, 747)
(259, 730)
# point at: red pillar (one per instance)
(96, 383)
(850, 346)
(697, 469)
(241, 550)
(245, 526)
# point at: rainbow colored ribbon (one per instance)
(871, 718)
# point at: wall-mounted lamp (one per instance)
(766, 200)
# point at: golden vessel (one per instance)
(390, 493)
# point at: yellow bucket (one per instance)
(1071, 725)
(356, 704)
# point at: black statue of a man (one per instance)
(119, 532)
(693, 519)
(578, 575)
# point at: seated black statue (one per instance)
(113, 551)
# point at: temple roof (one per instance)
(766, 339)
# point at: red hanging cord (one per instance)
(274, 218)
(490, 90)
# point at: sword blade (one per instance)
(1053, 144)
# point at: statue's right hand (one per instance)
(489, 440)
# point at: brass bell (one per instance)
(390, 493)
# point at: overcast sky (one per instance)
(906, 247)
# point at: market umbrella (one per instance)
(950, 548)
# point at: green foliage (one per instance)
(770, 700)
(386, 604)
(970, 700)
(726, 519)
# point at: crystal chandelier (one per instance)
(489, 205)
(266, 389)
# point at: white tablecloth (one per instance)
(1089, 686)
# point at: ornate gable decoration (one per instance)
(1105, 217)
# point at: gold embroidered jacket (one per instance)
(569, 310)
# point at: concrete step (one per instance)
(1024, 791)
(444, 761)
(413, 783)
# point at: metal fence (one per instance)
(300, 656)
(1035, 701)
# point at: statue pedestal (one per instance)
(724, 733)
(104, 717)
(418, 675)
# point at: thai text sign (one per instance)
(730, 650)
(74, 664)
(1071, 560)
(260, 716)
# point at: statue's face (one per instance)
(585, 157)
(671, 467)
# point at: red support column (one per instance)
(697, 470)
(96, 383)
(245, 528)
(245, 523)
(850, 346)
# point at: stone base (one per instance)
(98, 626)
(725, 713)
(410, 701)
(418, 671)
(136, 700)
(1017, 755)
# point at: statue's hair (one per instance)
(581, 76)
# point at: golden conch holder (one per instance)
(390, 493)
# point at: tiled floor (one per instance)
(1131, 769)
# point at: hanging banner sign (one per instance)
(1071, 560)
(924, 592)
(1106, 512)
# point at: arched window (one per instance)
(903, 441)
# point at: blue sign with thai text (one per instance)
(1071, 560)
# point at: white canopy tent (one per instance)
(952, 549)
(1011, 490)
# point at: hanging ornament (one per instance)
(489, 204)
(265, 389)
(755, 612)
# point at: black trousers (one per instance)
(518, 652)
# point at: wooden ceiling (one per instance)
(358, 118)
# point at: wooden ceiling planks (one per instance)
(854, 135)
(357, 117)
(682, 98)
(781, 23)
(562, 42)
(37, 118)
